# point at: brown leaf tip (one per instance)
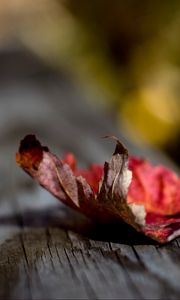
(120, 148)
(30, 153)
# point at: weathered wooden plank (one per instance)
(166, 274)
(46, 250)
(105, 275)
(12, 265)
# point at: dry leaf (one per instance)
(126, 188)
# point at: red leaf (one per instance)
(129, 189)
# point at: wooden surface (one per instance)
(47, 251)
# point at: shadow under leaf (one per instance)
(69, 219)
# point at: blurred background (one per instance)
(123, 57)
